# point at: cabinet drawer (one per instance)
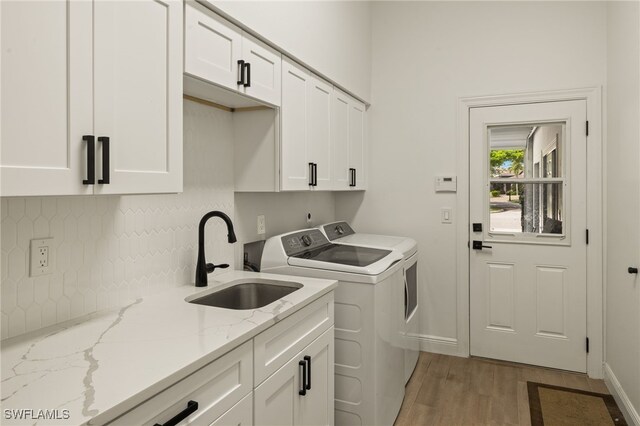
(240, 414)
(216, 388)
(277, 345)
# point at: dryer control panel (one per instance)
(337, 230)
(302, 241)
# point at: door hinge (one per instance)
(587, 127)
(587, 346)
(587, 233)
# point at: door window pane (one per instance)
(535, 208)
(515, 151)
(526, 179)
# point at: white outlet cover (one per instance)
(36, 257)
(262, 227)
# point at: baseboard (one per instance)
(627, 408)
(438, 344)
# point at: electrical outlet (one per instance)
(262, 226)
(41, 259)
(308, 218)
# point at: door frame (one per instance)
(595, 212)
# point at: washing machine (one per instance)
(342, 233)
(369, 353)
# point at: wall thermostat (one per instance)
(446, 184)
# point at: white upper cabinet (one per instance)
(357, 145)
(341, 104)
(46, 97)
(319, 133)
(262, 70)
(113, 79)
(218, 52)
(213, 47)
(138, 94)
(306, 130)
(348, 134)
(295, 170)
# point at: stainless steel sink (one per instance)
(246, 294)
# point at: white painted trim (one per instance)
(625, 405)
(438, 344)
(595, 189)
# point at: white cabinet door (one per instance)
(316, 407)
(319, 132)
(138, 95)
(240, 414)
(357, 145)
(263, 70)
(276, 400)
(295, 168)
(213, 47)
(340, 140)
(46, 97)
(286, 398)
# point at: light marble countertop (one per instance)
(102, 365)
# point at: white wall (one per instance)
(333, 37)
(284, 212)
(426, 55)
(623, 197)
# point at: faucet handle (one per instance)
(210, 267)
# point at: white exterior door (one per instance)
(528, 233)
(46, 97)
(138, 95)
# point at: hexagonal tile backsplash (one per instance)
(110, 249)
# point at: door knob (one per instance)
(477, 245)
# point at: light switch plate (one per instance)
(446, 215)
(41, 257)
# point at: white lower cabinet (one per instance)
(240, 414)
(283, 376)
(202, 397)
(300, 392)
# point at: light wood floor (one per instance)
(448, 390)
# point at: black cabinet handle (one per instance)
(632, 270)
(310, 174)
(240, 72)
(104, 140)
(355, 177)
(315, 174)
(307, 358)
(192, 407)
(352, 177)
(303, 387)
(91, 160)
(248, 82)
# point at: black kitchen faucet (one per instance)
(203, 268)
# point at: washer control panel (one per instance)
(337, 230)
(302, 241)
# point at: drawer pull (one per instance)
(307, 358)
(192, 407)
(303, 386)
